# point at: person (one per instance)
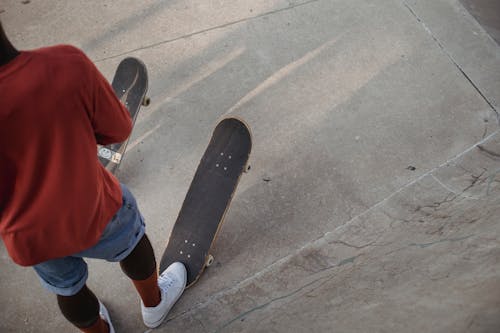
(58, 204)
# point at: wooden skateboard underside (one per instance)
(130, 84)
(208, 198)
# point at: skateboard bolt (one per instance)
(189, 256)
(217, 165)
(229, 156)
(225, 168)
(180, 252)
(185, 241)
(221, 154)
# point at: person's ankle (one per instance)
(151, 303)
(171, 283)
(148, 290)
(100, 326)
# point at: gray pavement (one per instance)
(373, 200)
(487, 13)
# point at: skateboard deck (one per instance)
(208, 198)
(130, 84)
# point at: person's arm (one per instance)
(110, 118)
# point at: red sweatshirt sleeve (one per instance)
(110, 118)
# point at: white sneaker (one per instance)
(172, 283)
(103, 312)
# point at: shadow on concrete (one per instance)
(487, 13)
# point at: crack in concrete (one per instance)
(425, 245)
(351, 245)
(291, 294)
(221, 26)
(475, 180)
(485, 132)
(435, 206)
(490, 104)
(489, 153)
(262, 306)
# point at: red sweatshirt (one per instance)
(55, 196)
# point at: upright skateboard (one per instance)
(130, 84)
(208, 198)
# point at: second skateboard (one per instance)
(130, 84)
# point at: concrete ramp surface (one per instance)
(373, 201)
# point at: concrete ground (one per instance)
(487, 13)
(373, 200)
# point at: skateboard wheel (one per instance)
(210, 260)
(146, 101)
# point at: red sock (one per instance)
(100, 326)
(148, 290)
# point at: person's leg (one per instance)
(158, 295)
(140, 267)
(124, 241)
(66, 277)
(82, 310)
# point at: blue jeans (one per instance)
(66, 276)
